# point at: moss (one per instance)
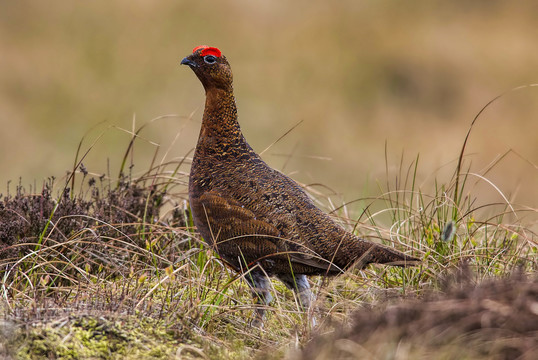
(97, 337)
(113, 337)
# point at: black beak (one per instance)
(187, 61)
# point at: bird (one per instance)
(259, 221)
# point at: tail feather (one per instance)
(379, 254)
(358, 253)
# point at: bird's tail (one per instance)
(352, 251)
(369, 252)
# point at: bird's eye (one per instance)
(210, 59)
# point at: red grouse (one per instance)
(257, 219)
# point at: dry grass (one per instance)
(116, 261)
(494, 319)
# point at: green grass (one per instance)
(111, 267)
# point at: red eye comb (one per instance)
(207, 50)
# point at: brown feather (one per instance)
(254, 215)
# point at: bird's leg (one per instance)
(299, 284)
(259, 283)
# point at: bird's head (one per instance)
(210, 66)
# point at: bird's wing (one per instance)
(313, 261)
(234, 229)
(238, 234)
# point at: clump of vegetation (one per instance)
(29, 219)
(495, 319)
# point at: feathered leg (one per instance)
(299, 284)
(260, 285)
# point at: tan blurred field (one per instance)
(358, 74)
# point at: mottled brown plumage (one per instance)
(255, 217)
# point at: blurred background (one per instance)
(359, 75)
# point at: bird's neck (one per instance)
(220, 115)
(220, 135)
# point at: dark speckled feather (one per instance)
(254, 215)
